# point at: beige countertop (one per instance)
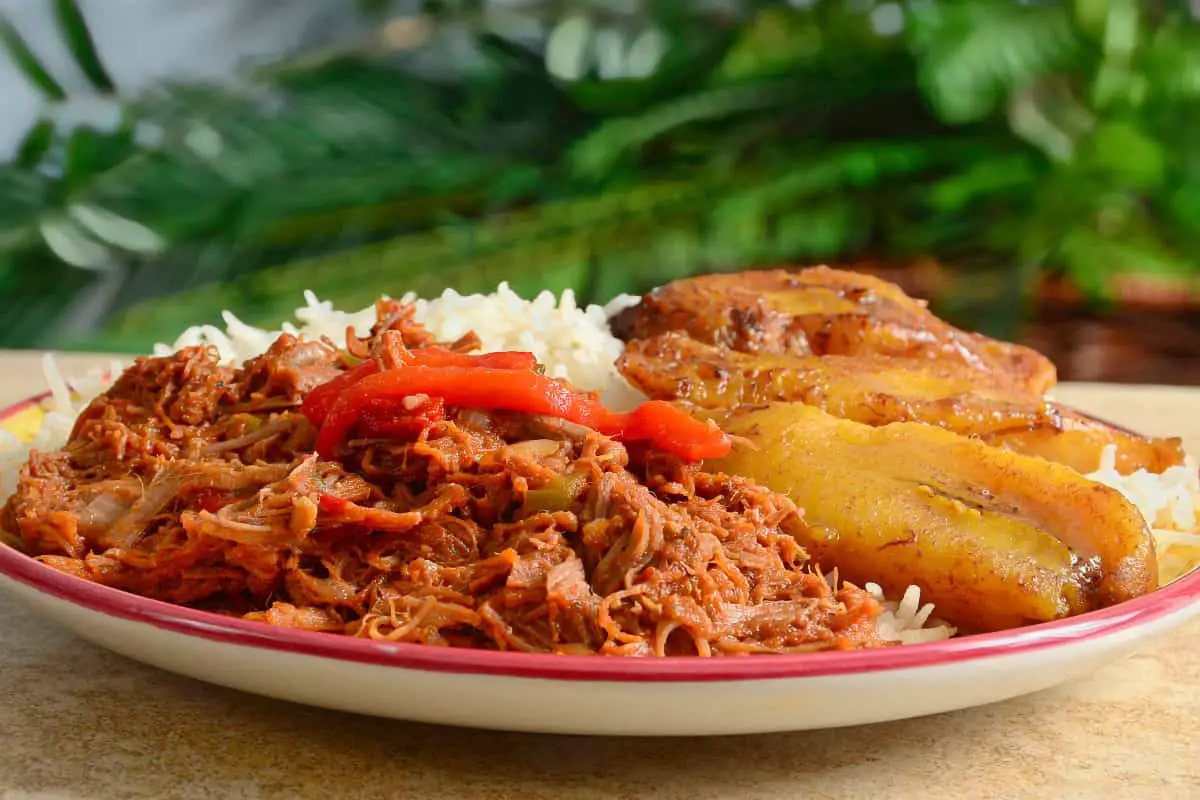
(79, 722)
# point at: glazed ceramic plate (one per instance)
(590, 695)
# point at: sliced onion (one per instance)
(105, 509)
(537, 447)
(257, 435)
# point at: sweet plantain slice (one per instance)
(1079, 440)
(877, 390)
(822, 311)
(995, 539)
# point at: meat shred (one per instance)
(197, 484)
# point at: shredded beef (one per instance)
(196, 483)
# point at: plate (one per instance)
(590, 695)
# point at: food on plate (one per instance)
(428, 495)
(877, 390)
(476, 471)
(1084, 442)
(823, 311)
(993, 538)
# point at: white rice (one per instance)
(572, 342)
(908, 621)
(1170, 502)
(575, 343)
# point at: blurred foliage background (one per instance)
(1013, 148)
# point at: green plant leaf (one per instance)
(1172, 60)
(79, 41)
(600, 151)
(974, 53)
(1092, 260)
(90, 152)
(983, 179)
(35, 145)
(774, 41)
(27, 62)
(21, 205)
(822, 231)
(691, 53)
(1125, 151)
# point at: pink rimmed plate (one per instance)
(590, 695)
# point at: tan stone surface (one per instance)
(78, 722)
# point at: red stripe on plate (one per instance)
(215, 627)
(21, 405)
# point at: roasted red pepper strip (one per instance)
(670, 430)
(388, 419)
(663, 425)
(332, 504)
(441, 357)
(318, 401)
(321, 398)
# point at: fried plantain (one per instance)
(823, 311)
(995, 539)
(877, 390)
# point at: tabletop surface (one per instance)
(79, 722)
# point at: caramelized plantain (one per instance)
(877, 390)
(995, 539)
(1078, 440)
(823, 311)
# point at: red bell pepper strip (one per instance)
(441, 357)
(332, 504)
(319, 400)
(669, 429)
(389, 420)
(663, 425)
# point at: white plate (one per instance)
(592, 694)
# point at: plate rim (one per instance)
(26, 570)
